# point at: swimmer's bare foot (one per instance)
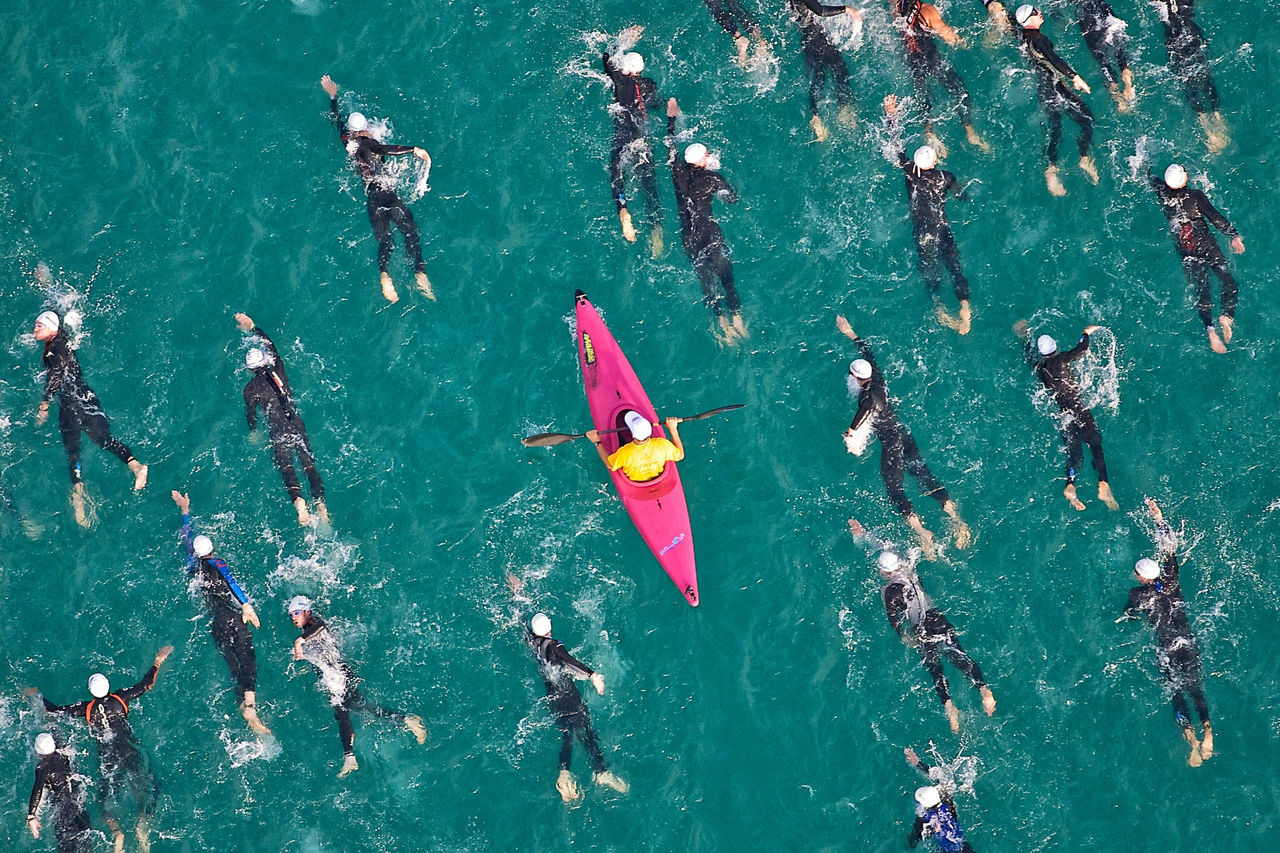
(139, 475)
(727, 337)
(349, 765)
(388, 289)
(1104, 495)
(628, 230)
(1053, 182)
(1206, 745)
(80, 505)
(1226, 323)
(568, 787)
(1215, 342)
(1070, 493)
(966, 317)
(946, 319)
(1090, 167)
(988, 700)
(739, 327)
(414, 724)
(929, 550)
(322, 512)
(143, 832)
(118, 843)
(424, 284)
(249, 710)
(847, 117)
(953, 715)
(820, 131)
(971, 134)
(935, 142)
(1196, 757)
(1215, 132)
(1130, 97)
(655, 241)
(613, 781)
(300, 505)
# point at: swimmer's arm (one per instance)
(823, 11)
(917, 832)
(895, 608)
(894, 124)
(864, 411)
(188, 535)
(335, 114)
(148, 681)
(53, 381)
(724, 190)
(577, 667)
(225, 571)
(1078, 350)
(37, 792)
(933, 20)
(76, 710)
(1214, 215)
(250, 409)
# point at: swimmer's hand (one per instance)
(162, 654)
(891, 105)
(515, 583)
(250, 616)
(856, 529)
(255, 436)
(1020, 329)
(1156, 515)
(856, 14)
(597, 681)
(42, 413)
(673, 109)
(297, 649)
(34, 826)
(627, 38)
(30, 691)
(1080, 85)
(1237, 245)
(421, 154)
(845, 329)
(330, 87)
(183, 501)
(244, 321)
(912, 758)
(1089, 330)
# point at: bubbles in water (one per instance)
(248, 748)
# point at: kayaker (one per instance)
(645, 456)
(319, 646)
(78, 411)
(1158, 597)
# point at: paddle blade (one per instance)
(728, 408)
(549, 439)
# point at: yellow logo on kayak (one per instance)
(588, 349)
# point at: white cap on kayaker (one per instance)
(639, 425)
(541, 624)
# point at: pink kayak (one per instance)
(657, 507)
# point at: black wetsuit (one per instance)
(925, 62)
(633, 97)
(898, 450)
(928, 631)
(1188, 54)
(384, 205)
(1187, 211)
(225, 601)
(572, 715)
(1078, 423)
(927, 190)
(1053, 87)
(1105, 36)
(699, 232)
(269, 389)
(339, 681)
(819, 53)
(70, 820)
(733, 17)
(125, 771)
(1176, 650)
(78, 406)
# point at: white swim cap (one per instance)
(1175, 176)
(1046, 344)
(860, 368)
(631, 63)
(255, 358)
(541, 624)
(202, 545)
(299, 604)
(99, 686)
(887, 562)
(925, 157)
(49, 320)
(694, 154)
(639, 425)
(1147, 569)
(928, 797)
(357, 122)
(1025, 13)
(45, 744)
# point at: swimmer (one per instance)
(633, 97)
(697, 181)
(1052, 76)
(924, 627)
(1189, 61)
(319, 647)
(231, 611)
(269, 390)
(54, 777)
(1189, 211)
(78, 411)
(936, 815)
(1158, 597)
(898, 450)
(1053, 369)
(1105, 36)
(385, 208)
(822, 56)
(124, 770)
(645, 456)
(927, 188)
(738, 22)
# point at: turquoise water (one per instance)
(174, 163)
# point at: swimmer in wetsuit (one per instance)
(822, 57)
(1053, 369)
(924, 627)
(1189, 212)
(78, 411)
(559, 669)
(319, 647)
(927, 188)
(1052, 76)
(368, 156)
(936, 814)
(697, 181)
(1158, 597)
(1104, 34)
(633, 97)
(645, 456)
(124, 771)
(71, 824)
(919, 23)
(231, 611)
(269, 390)
(898, 450)
(1189, 60)
(733, 17)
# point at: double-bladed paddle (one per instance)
(551, 439)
